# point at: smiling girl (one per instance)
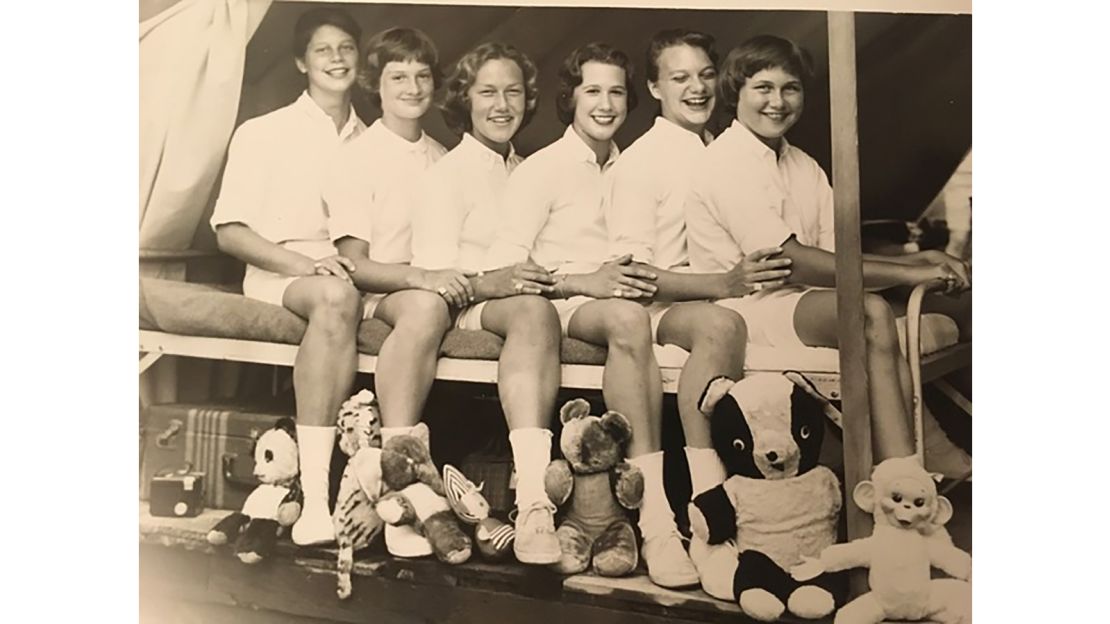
(489, 96)
(269, 215)
(754, 190)
(369, 198)
(554, 215)
(646, 219)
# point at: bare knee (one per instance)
(424, 312)
(536, 316)
(721, 328)
(336, 303)
(880, 327)
(629, 328)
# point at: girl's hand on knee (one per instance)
(338, 266)
(620, 278)
(525, 278)
(757, 271)
(450, 284)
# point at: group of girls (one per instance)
(682, 239)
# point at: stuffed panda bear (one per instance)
(274, 505)
(776, 504)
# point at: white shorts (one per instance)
(656, 310)
(567, 307)
(470, 317)
(769, 315)
(270, 287)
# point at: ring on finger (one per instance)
(758, 286)
(441, 290)
(617, 292)
(519, 286)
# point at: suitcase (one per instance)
(216, 440)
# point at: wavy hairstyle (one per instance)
(311, 20)
(395, 44)
(570, 76)
(674, 37)
(753, 56)
(456, 103)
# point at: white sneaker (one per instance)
(405, 541)
(535, 541)
(667, 562)
(314, 527)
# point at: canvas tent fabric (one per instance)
(191, 57)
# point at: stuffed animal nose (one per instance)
(772, 456)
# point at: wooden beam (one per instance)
(854, 385)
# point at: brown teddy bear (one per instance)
(416, 496)
(599, 485)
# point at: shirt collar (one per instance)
(420, 146)
(576, 146)
(479, 150)
(748, 141)
(676, 132)
(312, 109)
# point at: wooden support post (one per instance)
(854, 383)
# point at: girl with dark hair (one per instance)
(754, 190)
(369, 199)
(489, 96)
(554, 215)
(269, 215)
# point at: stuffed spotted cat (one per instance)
(356, 521)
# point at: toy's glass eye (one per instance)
(739, 444)
(804, 432)
(919, 502)
(269, 455)
(897, 497)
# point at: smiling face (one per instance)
(770, 103)
(329, 60)
(406, 89)
(686, 86)
(600, 102)
(497, 103)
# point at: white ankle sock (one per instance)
(314, 446)
(706, 469)
(531, 454)
(656, 517)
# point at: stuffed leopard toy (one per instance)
(356, 521)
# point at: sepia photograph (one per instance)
(614, 312)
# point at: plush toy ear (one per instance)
(576, 408)
(287, 425)
(420, 432)
(937, 477)
(944, 511)
(804, 383)
(864, 495)
(717, 388)
(617, 426)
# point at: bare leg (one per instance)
(816, 324)
(322, 376)
(528, 373)
(715, 338)
(407, 360)
(631, 383)
(324, 369)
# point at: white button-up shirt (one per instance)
(275, 169)
(744, 198)
(458, 206)
(553, 209)
(646, 215)
(373, 189)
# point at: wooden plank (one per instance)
(849, 269)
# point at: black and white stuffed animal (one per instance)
(776, 506)
(274, 505)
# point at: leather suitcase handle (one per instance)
(231, 477)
